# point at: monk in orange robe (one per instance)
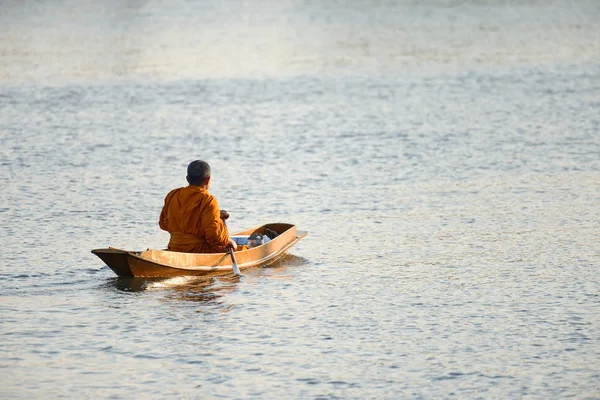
(192, 216)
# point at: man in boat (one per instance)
(192, 216)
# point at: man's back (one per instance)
(191, 215)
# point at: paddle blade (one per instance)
(236, 270)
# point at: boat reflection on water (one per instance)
(281, 268)
(205, 289)
(188, 288)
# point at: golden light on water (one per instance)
(151, 40)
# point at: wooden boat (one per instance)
(163, 263)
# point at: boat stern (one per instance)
(117, 260)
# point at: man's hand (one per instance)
(232, 244)
(224, 215)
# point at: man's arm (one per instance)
(163, 221)
(224, 215)
(214, 229)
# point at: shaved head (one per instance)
(197, 172)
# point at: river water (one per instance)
(444, 157)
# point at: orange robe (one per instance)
(191, 215)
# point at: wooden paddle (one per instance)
(236, 270)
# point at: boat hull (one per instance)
(162, 263)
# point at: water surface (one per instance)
(444, 157)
